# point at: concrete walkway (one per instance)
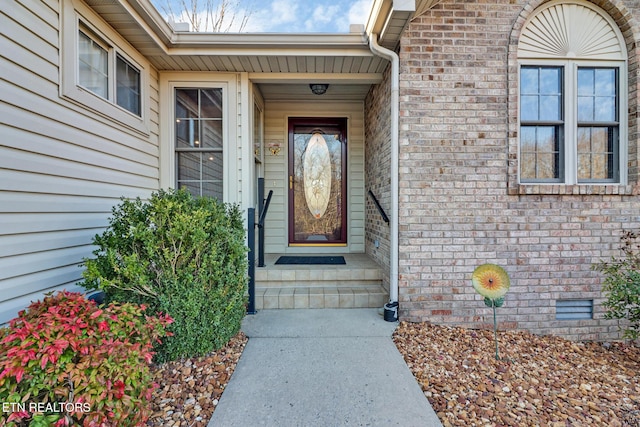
(326, 367)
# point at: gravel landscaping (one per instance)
(190, 389)
(539, 381)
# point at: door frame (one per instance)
(341, 124)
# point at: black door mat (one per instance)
(309, 260)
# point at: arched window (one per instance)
(573, 96)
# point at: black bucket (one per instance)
(391, 311)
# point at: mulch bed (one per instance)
(539, 381)
(190, 389)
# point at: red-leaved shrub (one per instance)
(66, 361)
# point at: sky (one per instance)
(291, 16)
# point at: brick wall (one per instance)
(460, 203)
(377, 173)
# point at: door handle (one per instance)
(290, 182)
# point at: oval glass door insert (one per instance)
(317, 175)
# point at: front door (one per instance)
(317, 181)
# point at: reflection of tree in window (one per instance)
(199, 141)
(571, 76)
(597, 123)
(308, 225)
(127, 85)
(541, 119)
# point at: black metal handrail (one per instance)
(262, 213)
(264, 210)
(377, 203)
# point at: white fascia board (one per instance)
(404, 5)
(386, 15)
(275, 51)
(269, 44)
(147, 16)
(377, 16)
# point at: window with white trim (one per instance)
(572, 96)
(107, 73)
(199, 141)
(100, 71)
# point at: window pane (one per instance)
(550, 80)
(586, 81)
(128, 86)
(605, 81)
(605, 109)
(211, 133)
(212, 189)
(547, 164)
(199, 141)
(201, 173)
(188, 166)
(211, 103)
(541, 94)
(597, 94)
(539, 153)
(597, 150)
(187, 133)
(529, 80)
(192, 187)
(550, 108)
(586, 108)
(529, 107)
(212, 166)
(528, 165)
(186, 103)
(93, 66)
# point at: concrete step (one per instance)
(344, 276)
(301, 296)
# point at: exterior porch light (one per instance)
(318, 88)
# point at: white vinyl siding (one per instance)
(276, 172)
(62, 166)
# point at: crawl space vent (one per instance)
(574, 309)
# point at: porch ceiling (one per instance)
(297, 91)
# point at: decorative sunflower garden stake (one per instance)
(492, 282)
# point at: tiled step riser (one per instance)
(318, 276)
(318, 284)
(356, 284)
(291, 298)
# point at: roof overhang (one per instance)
(269, 58)
(145, 29)
(388, 19)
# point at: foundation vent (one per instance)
(575, 309)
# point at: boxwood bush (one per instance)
(180, 255)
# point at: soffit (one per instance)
(144, 28)
(388, 18)
(335, 92)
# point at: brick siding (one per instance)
(377, 179)
(460, 202)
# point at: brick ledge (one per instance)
(577, 189)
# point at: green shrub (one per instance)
(622, 284)
(65, 361)
(179, 255)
